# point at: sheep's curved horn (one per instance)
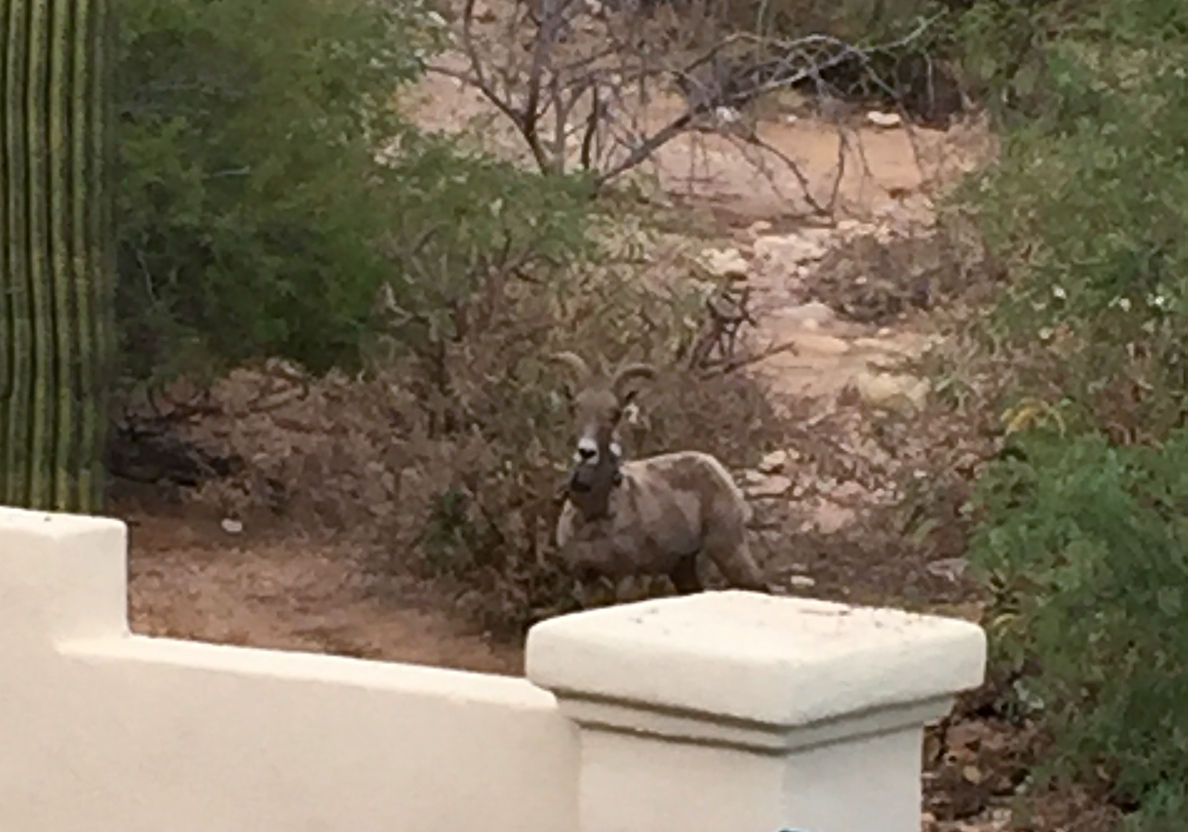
(630, 372)
(574, 362)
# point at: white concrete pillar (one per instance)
(63, 576)
(740, 712)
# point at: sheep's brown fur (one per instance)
(651, 516)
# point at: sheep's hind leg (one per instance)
(684, 575)
(734, 560)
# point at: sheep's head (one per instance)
(597, 406)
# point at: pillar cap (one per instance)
(756, 659)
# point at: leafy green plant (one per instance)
(1081, 523)
(1084, 207)
(1086, 545)
(248, 200)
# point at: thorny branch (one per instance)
(715, 349)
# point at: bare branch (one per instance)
(591, 78)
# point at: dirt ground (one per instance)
(280, 589)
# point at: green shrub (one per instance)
(1083, 524)
(247, 204)
(1085, 207)
(1087, 202)
(467, 230)
(256, 218)
(1086, 545)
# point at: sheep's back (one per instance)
(687, 490)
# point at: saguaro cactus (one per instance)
(56, 252)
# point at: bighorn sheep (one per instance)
(650, 516)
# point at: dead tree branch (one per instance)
(603, 91)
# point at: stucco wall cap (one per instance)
(742, 655)
(25, 525)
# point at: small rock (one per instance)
(820, 344)
(809, 314)
(792, 248)
(972, 774)
(231, 526)
(880, 119)
(791, 118)
(726, 263)
(901, 393)
(759, 227)
(801, 582)
(849, 229)
(774, 485)
(412, 481)
(829, 517)
(482, 12)
(849, 491)
(883, 345)
(727, 115)
(774, 462)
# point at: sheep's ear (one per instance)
(562, 398)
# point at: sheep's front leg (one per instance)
(684, 575)
(594, 589)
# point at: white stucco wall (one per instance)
(102, 731)
(720, 712)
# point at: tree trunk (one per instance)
(56, 252)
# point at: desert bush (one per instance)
(908, 59)
(445, 453)
(1085, 545)
(269, 190)
(1080, 523)
(1083, 208)
(1086, 214)
(485, 505)
(248, 201)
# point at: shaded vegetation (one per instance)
(1081, 520)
